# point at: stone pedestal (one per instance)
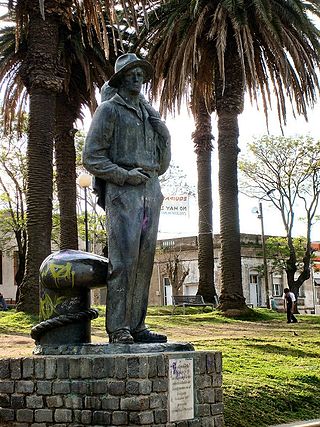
(111, 390)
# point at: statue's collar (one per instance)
(117, 98)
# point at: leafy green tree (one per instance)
(12, 200)
(217, 50)
(286, 172)
(174, 181)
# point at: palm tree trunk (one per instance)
(231, 290)
(40, 78)
(202, 140)
(65, 155)
(229, 102)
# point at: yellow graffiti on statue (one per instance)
(61, 273)
(48, 306)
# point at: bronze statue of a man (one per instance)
(127, 148)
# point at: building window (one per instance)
(301, 293)
(254, 289)
(277, 286)
(167, 291)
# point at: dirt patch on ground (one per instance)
(23, 345)
(16, 346)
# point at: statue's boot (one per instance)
(147, 336)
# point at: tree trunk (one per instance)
(229, 100)
(40, 78)
(202, 140)
(65, 155)
(231, 293)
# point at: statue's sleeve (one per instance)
(96, 148)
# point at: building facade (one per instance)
(180, 255)
(253, 282)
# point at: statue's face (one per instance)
(132, 80)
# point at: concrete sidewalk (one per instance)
(310, 423)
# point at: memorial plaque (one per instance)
(181, 396)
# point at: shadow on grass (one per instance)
(269, 405)
(277, 349)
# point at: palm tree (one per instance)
(237, 47)
(86, 69)
(77, 88)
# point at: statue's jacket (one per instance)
(119, 139)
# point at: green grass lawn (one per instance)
(271, 370)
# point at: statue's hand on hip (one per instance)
(137, 176)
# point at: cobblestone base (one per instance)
(119, 390)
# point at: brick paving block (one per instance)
(4, 369)
(80, 387)
(6, 386)
(24, 387)
(63, 368)
(160, 385)
(136, 403)
(73, 402)
(218, 395)
(15, 369)
(43, 415)
(120, 368)
(218, 357)
(218, 421)
(202, 381)
(99, 386)
(61, 387)
(141, 418)
(92, 402)
(34, 402)
(103, 367)
(44, 387)
(74, 368)
(86, 417)
(137, 367)
(101, 417)
(86, 368)
(27, 368)
(152, 366)
(6, 414)
(208, 422)
(110, 402)
(162, 369)
(4, 400)
(50, 368)
(119, 418)
(217, 408)
(211, 363)
(202, 410)
(25, 415)
(39, 368)
(116, 388)
(158, 401)
(200, 363)
(196, 422)
(54, 401)
(63, 415)
(217, 380)
(17, 401)
(160, 416)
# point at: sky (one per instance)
(251, 124)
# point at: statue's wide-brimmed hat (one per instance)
(126, 62)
